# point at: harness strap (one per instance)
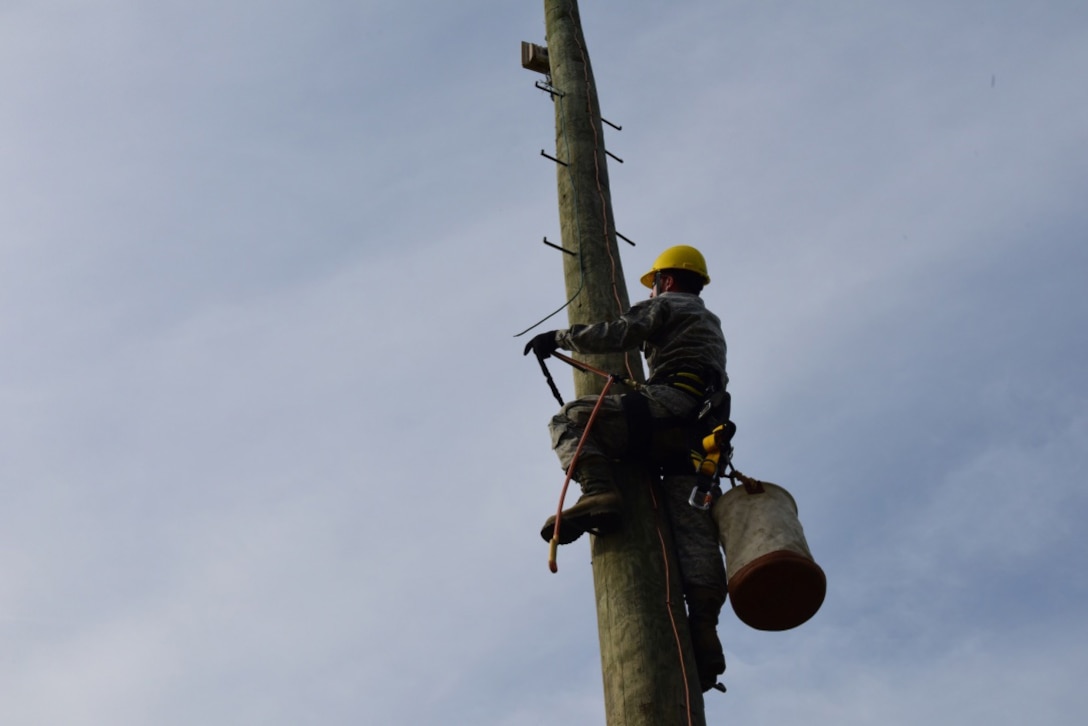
(689, 381)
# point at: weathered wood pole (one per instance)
(640, 607)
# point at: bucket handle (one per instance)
(752, 486)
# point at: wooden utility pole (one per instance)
(641, 617)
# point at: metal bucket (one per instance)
(774, 584)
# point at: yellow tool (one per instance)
(708, 464)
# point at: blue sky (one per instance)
(269, 451)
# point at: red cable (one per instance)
(553, 545)
(668, 605)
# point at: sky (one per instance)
(270, 453)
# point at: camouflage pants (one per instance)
(695, 533)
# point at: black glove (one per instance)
(543, 345)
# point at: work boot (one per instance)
(596, 511)
(704, 605)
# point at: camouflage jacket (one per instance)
(674, 330)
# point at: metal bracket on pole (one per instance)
(557, 161)
(625, 239)
(618, 128)
(561, 249)
(549, 89)
(613, 156)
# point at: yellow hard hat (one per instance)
(680, 257)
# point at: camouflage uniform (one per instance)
(677, 334)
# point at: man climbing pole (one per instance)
(661, 422)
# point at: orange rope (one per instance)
(553, 545)
(668, 606)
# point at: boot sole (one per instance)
(599, 522)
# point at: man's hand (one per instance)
(543, 345)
